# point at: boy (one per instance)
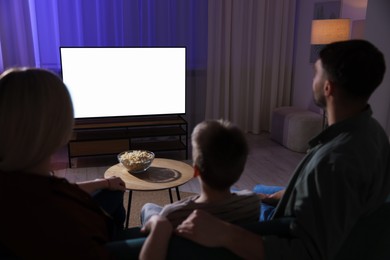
(219, 152)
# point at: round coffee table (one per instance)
(163, 174)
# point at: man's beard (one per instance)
(319, 99)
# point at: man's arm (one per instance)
(210, 231)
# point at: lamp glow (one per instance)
(330, 30)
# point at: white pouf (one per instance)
(293, 127)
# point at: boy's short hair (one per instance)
(219, 150)
(356, 66)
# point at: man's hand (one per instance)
(271, 199)
(207, 230)
(203, 228)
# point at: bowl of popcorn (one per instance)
(136, 161)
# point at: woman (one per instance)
(44, 216)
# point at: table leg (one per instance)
(128, 208)
(177, 193)
(170, 195)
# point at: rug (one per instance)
(139, 198)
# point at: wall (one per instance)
(376, 29)
(378, 32)
(355, 9)
(303, 69)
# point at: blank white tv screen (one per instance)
(122, 81)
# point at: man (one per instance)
(343, 179)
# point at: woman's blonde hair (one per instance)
(36, 117)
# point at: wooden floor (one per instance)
(268, 163)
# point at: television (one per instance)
(125, 81)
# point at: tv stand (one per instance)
(108, 137)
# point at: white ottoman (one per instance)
(294, 127)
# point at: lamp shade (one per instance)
(330, 30)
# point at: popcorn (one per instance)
(136, 160)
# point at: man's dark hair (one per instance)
(219, 151)
(356, 66)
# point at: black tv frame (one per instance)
(121, 118)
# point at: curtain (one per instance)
(31, 32)
(16, 35)
(249, 63)
(239, 52)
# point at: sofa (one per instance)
(370, 239)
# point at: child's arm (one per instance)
(271, 199)
(156, 244)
